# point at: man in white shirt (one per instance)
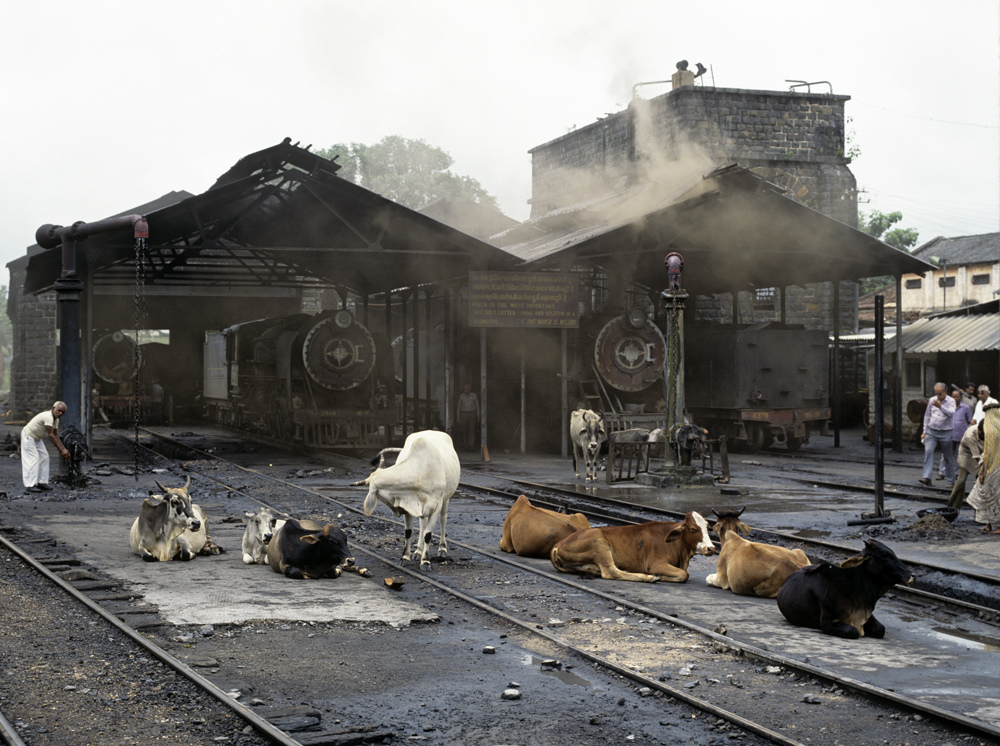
(984, 399)
(34, 455)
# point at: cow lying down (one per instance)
(261, 527)
(532, 532)
(171, 527)
(747, 567)
(840, 600)
(660, 550)
(303, 549)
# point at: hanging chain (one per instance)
(139, 312)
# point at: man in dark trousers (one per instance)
(468, 416)
(938, 433)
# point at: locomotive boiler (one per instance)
(317, 380)
(758, 384)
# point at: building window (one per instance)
(911, 374)
(914, 284)
(946, 282)
(980, 279)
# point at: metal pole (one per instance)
(482, 393)
(418, 415)
(879, 407)
(390, 385)
(523, 439)
(897, 394)
(564, 391)
(836, 364)
(405, 359)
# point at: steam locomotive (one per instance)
(756, 384)
(317, 380)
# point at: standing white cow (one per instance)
(419, 485)
(587, 430)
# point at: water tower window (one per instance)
(980, 279)
(946, 282)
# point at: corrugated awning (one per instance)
(735, 230)
(979, 333)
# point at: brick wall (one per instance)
(34, 379)
(796, 140)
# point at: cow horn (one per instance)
(187, 483)
(163, 489)
(740, 512)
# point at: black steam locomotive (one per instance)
(318, 380)
(757, 384)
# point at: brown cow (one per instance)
(660, 550)
(532, 532)
(747, 567)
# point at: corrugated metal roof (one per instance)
(956, 334)
(984, 247)
(735, 230)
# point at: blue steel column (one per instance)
(68, 290)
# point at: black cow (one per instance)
(305, 549)
(840, 600)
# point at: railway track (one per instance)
(97, 690)
(655, 609)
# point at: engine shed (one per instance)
(301, 306)
(284, 299)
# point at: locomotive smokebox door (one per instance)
(338, 352)
(630, 352)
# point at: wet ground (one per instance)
(397, 644)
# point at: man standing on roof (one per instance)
(937, 433)
(34, 455)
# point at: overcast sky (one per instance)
(107, 105)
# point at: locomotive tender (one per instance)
(309, 379)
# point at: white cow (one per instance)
(262, 524)
(418, 485)
(170, 526)
(586, 428)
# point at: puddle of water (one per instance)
(990, 644)
(567, 677)
(809, 533)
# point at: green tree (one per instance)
(880, 225)
(409, 172)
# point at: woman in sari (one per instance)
(985, 495)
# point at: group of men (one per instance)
(951, 425)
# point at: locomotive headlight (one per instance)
(637, 318)
(343, 318)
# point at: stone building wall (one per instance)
(795, 140)
(34, 378)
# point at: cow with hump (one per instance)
(532, 532)
(748, 567)
(586, 428)
(262, 524)
(171, 527)
(304, 549)
(840, 600)
(660, 550)
(419, 485)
